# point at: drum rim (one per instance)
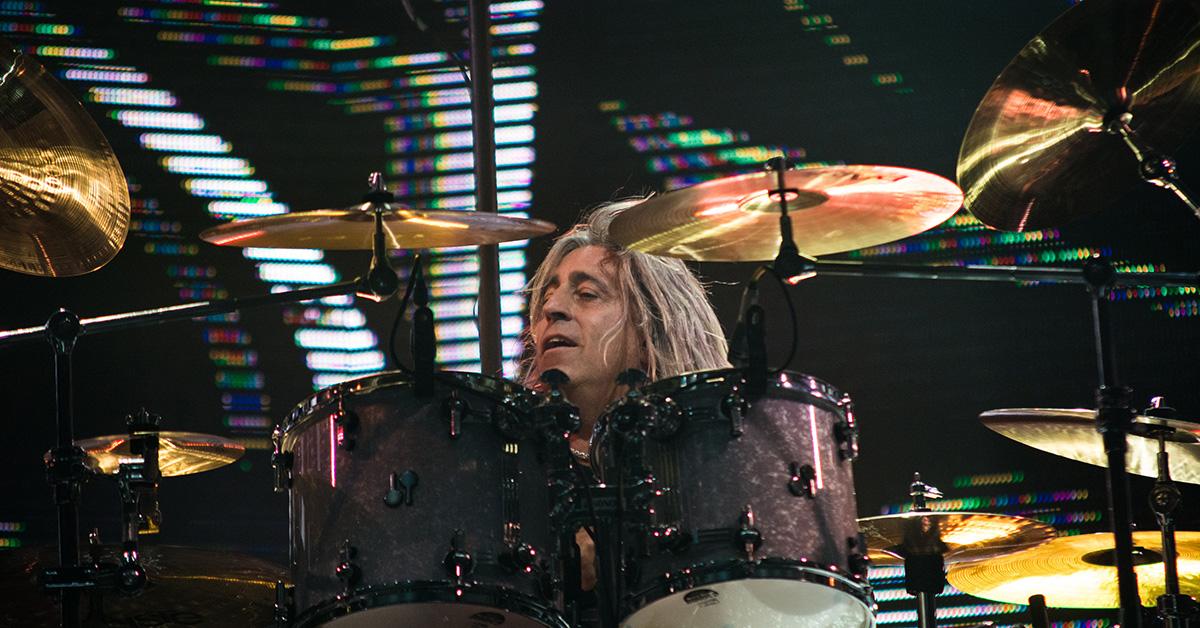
(720, 572)
(501, 390)
(431, 592)
(786, 380)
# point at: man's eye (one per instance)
(583, 294)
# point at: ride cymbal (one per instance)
(1078, 571)
(1072, 434)
(1036, 152)
(179, 453)
(353, 228)
(833, 209)
(958, 536)
(64, 202)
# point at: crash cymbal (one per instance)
(184, 587)
(959, 536)
(1072, 434)
(833, 209)
(1036, 153)
(64, 203)
(179, 453)
(1078, 571)
(353, 228)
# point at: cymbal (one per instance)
(833, 209)
(64, 202)
(184, 586)
(179, 453)
(353, 228)
(1036, 154)
(1072, 434)
(959, 536)
(1078, 571)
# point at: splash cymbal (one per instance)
(64, 202)
(833, 209)
(1071, 433)
(179, 453)
(1036, 153)
(958, 536)
(353, 228)
(1078, 571)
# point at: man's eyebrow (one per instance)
(577, 277)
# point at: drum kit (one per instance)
(715, 498)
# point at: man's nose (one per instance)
(556, 307)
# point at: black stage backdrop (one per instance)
(873, 82)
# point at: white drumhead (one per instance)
(755, 603)
(434, 614)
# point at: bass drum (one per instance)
(757, 525)
(418, 511)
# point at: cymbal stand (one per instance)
(138, 480)
(924, 557)
(1154, 167)
(66, 468)
(1114, 418)
(1174, 608)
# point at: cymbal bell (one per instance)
(179, 453)
(958, 536)
(1078, 571)
(833, 209)
(64, 202)
(353, 228)
(1071, 433)
(1037, 153)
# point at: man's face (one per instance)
(582, 329)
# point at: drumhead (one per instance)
(770, 592)
(432, 604)
(502, 391)
(784, 384)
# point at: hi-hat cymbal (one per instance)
(353, 228)
(179, 453)
(64, 203)
(1072, 434)
(1078, 571)
(1036, 153)
(958, 536)
(833, 209)
(184, 586)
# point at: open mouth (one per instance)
(557, 342)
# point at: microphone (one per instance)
(737, 344)
(424, 340)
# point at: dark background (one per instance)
(921, 359)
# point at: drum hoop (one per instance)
(719, 572)
(431, 592)
(500, 390)
(792, 382)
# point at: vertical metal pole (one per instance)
(61, 331)
(484, 132)
(1113, 420)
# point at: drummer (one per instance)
(597, 309)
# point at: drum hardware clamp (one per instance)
(347, 570)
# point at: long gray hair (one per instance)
(664, 303)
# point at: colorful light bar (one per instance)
(219, 166)
(246, 208)
(131, 96)
(308, 274)
(157, 119)
(340, 339)
(74, 52)
(184, 143)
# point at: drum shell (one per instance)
(712, 476)
(481, 482)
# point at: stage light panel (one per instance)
(142, 119)
(297, 273)
(345, 362)
(283, 255)
(74, 52)
(452, 331)
(246, 208)
(339, 339)
(212, 166)
(224, 188)
(184, 142)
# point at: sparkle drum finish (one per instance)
(756, 526)
(409, 510)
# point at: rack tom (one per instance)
(417, 511)
(756, 521)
